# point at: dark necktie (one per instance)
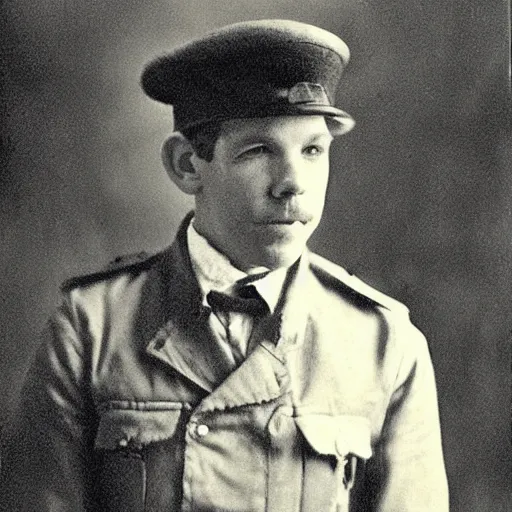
(249, 301)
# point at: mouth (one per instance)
(283, 227)
(286, 222)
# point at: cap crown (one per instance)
(251, 69)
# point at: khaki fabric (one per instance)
(129, 405)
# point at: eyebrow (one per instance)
(321, 135)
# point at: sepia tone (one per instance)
(419, 203)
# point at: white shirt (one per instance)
(214, 271)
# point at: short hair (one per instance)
(203, 138)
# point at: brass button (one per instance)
(202, 430)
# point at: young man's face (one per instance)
(262, 195)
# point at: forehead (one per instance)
(276, 128)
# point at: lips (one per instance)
(285, 221)
(302, 218)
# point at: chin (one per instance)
(279, 258)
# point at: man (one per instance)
(235, 370)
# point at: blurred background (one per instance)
(420, 200)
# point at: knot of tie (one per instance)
(248, 301)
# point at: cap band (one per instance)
(307, 92)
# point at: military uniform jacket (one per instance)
(130, 407)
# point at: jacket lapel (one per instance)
(183, 340)
(185, 343)
(261, 378)
(192, 352)
(264, 375)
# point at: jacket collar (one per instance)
(264, 375)
(184, 341)
(182, 295)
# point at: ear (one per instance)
(176, 157)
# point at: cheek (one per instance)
(249, 188)
(235, 202)
(318, 187)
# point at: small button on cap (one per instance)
(123, 443)
(202, 430)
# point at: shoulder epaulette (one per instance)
(128, 263)
(355, 285)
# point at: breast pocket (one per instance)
(139, 453)
(335, 450)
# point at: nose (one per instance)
(288, 179)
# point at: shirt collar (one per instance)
(215, 272)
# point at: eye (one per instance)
(253, 152)
(313, 150)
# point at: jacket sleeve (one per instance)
(47, 455)
(409, 473)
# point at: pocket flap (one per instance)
(119, 428)
(337, 435)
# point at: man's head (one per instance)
(261, 196)
(254, 118)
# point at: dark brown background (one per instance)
(420, 202)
